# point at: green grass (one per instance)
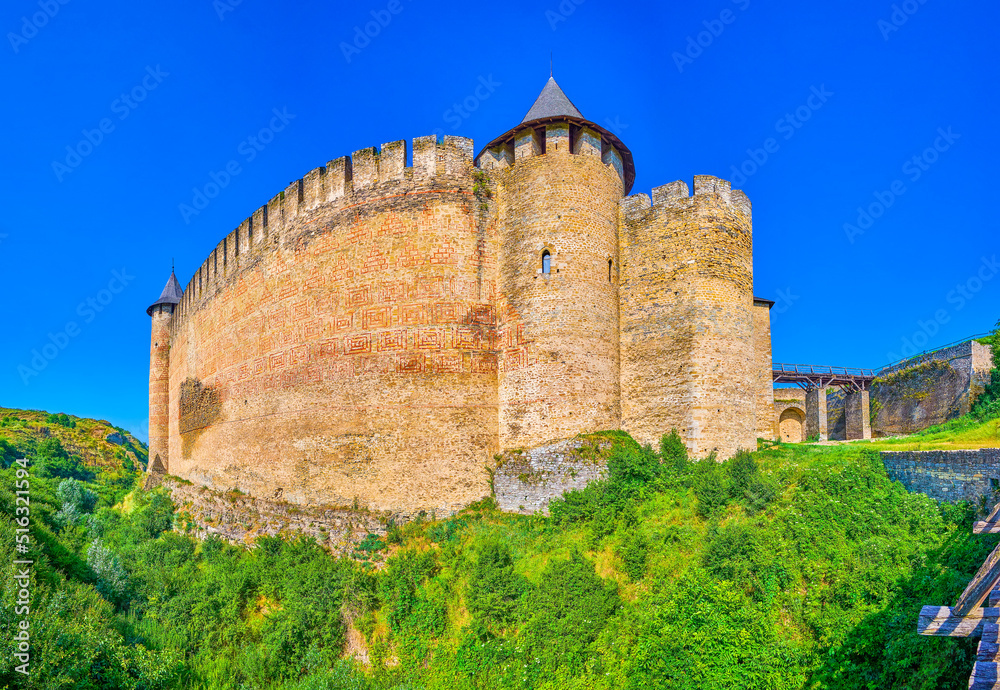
(799, 566)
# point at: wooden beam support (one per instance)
(984, 527)
(942, 621)
(982, 584)
(989, 649)
(984, 676)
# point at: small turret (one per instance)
(162, 312)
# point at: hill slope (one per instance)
(795, 567)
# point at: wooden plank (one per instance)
(989, 643)
(994, 598)
(941, 621)
(985, 527)
(982, 584)
(984, 676)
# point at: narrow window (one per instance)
(546, 262)
(609, 270)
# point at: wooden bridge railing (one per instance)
(970, 618)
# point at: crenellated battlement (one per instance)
(540, 140)
(678, 195)
(346, 181)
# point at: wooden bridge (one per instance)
(975, 614)
(813, 376)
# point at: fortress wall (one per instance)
(929, 389)
(341, 344)
(763, 379)
(947, 475)
(687, 325)
(559, 332)
(790, 414)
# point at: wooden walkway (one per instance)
(813, 376)
(976, 614)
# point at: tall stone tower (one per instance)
(162, 313)
(559, 179)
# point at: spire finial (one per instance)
(551, 67)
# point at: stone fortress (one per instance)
(378, 332)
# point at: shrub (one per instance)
(570, 608)
(495, 592)
(76, 499)
(673, 453)
(52, 460)
(634, 552)
(711, 488)
(156, 516)
(633, 465)
(741, 470)
(8, 453)
(111, 578)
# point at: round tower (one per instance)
(162, 312)
(559, 179)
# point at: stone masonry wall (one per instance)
(686, 310)
(559, 370)
(929, 389)
(526, 480)
(946, 475)
(341, 344)
(790, 414)
(241, 519)
(763, 379)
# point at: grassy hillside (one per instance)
(795, 567)
(87, 439)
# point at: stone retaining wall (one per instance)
(946, 475)
(526, 480)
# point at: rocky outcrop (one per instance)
(240, 518)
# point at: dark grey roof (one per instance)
(172, 293)
(552, 102)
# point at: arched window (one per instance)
(609, 270)
(546, 262)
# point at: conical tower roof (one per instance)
(553, 106)
(172, 293)
(552, 102)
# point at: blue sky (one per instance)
(116, 112)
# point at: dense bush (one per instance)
(795, 567)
